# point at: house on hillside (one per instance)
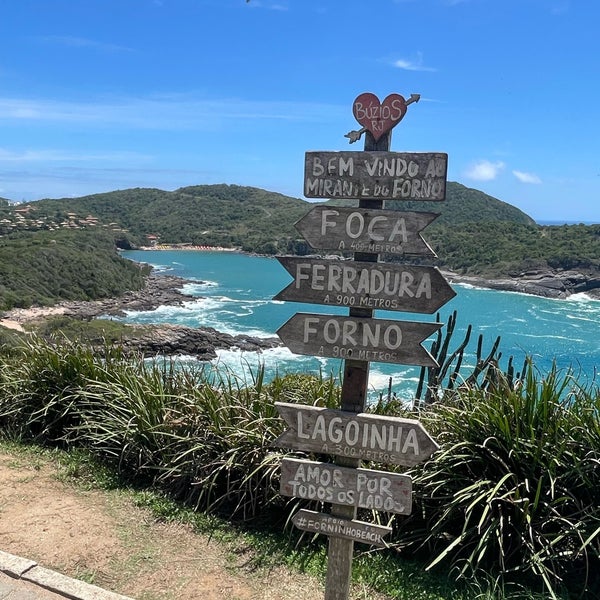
(152, 239)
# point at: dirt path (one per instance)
(103, 538)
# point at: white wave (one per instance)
(160, 267)
(204, 312)
(276, 361)
(160, 314)
(247, 303)
(594, 318)
(193, 288)
(466, 286)
(208, 302)
(541, 336)
(583, 298)
(237, 329)
(403, 383)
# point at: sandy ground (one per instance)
(103, 538)
(15, 318)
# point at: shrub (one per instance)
(513, 490)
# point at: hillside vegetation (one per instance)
(475, 234)
(209, 215)
(45, 267)
(467, 205)
(511, 249)
(231, 215)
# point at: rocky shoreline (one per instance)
(545, 283)
(203, 342)
(151, 340)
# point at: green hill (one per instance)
(493, 249)
(476, 234)
(246, 217)
(212, 215)
(44, 267)
(467, 205)
(462, 205)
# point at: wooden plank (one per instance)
(382, 175)
(383, 286)
(377, 438)
(366, 230)
(377, 340)
(358, 531)
(360, 488)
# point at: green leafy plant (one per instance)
(510, 492)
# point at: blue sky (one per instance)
(98, 95)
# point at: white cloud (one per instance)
(268, 6)
(484, 170)
(412, 64)
(29, 156)
(79, 42)
(165, 112)
(526, 177)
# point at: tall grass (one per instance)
(511, 497)
(206, 438)
(40, 386)
(513, 493)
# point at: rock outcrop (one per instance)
(160, 290)
(153, 340)
(167, 340)
(549, 284)
(202, 343)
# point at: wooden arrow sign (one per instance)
(366, 230)
(358, 338)
(376, 438)
(362, 488)
(383, 286)
(380, 175)
(359, 531)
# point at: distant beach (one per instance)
(189, 247)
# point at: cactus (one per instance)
(435, 381)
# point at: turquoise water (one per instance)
(234, 294)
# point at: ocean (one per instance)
(233, 292)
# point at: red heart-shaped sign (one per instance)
(379, 117)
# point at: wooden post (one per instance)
(354, 397)
(376, 174)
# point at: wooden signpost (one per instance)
(360, 488)
(375, 438)
(366, 230)
(378, 340)
(385, 175)
(358, 531)
(363, 285)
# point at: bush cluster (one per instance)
(45, 267)
(512, 493)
